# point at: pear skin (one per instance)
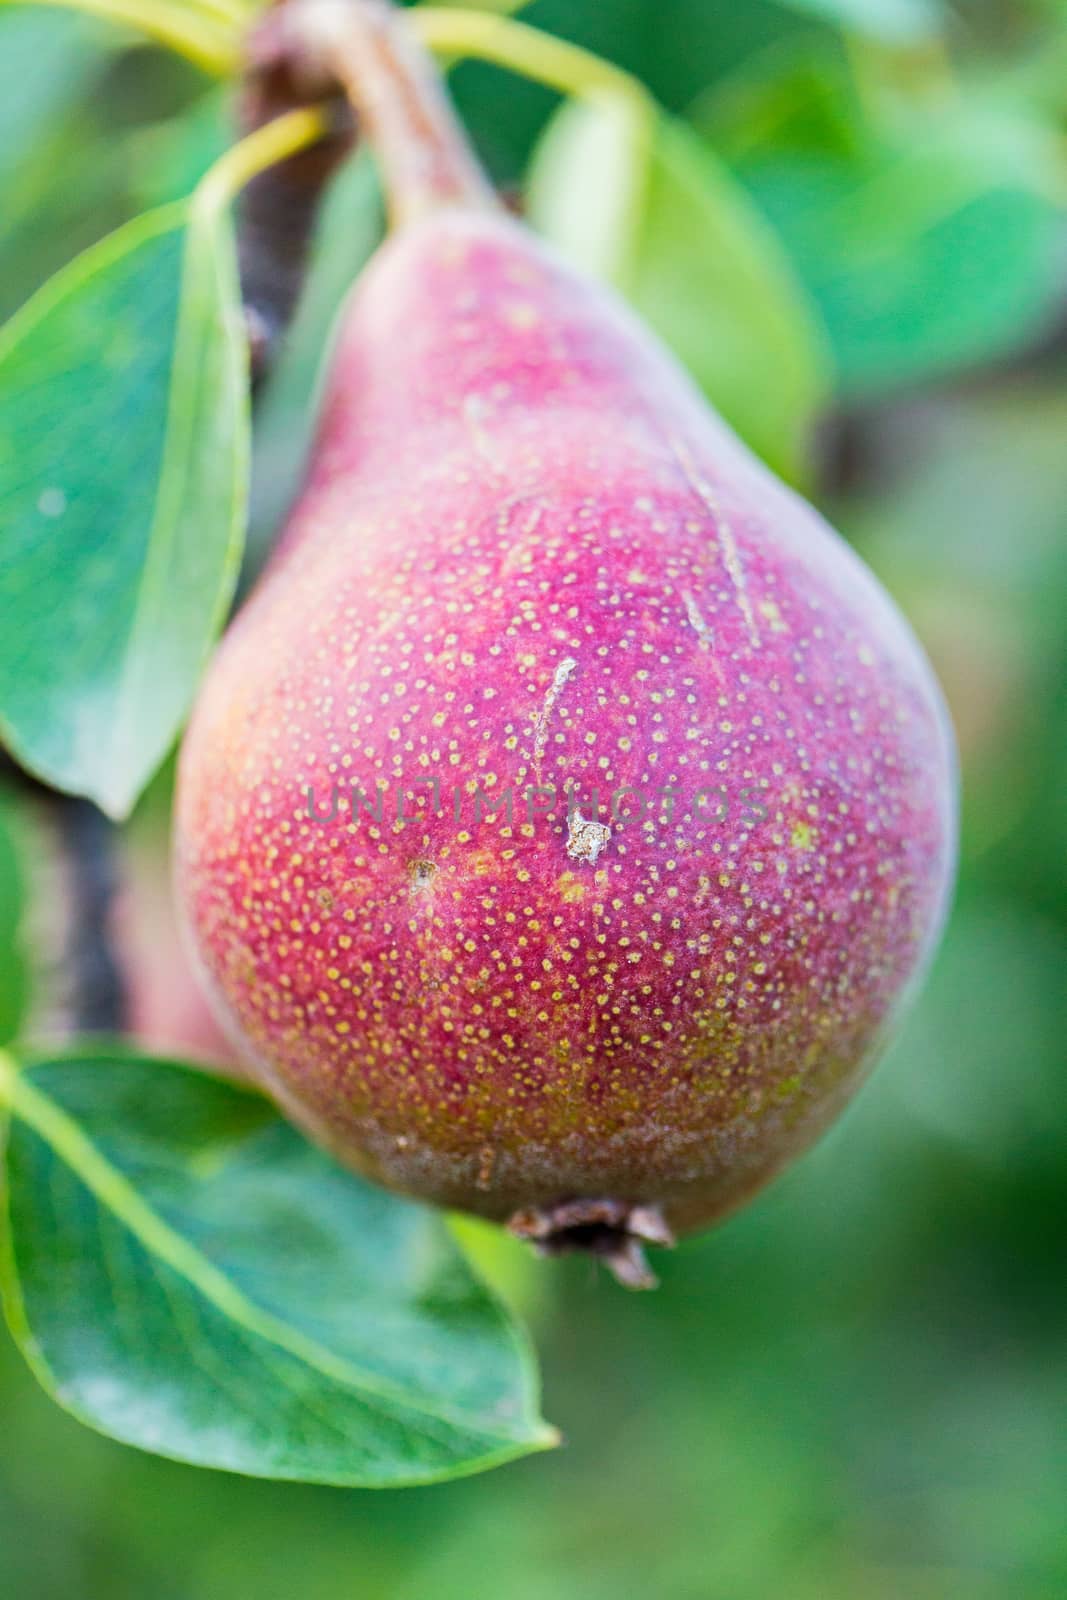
(569, 813)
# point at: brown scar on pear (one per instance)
(586, 838)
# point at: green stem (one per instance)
(237, 13)
(208, 40)
(565, 67)
(275, 141)
(9, 1086)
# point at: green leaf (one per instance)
(14, 969)
(170, 158)
(926, 254)
(47, 60)
(61, 174)
(695, 257)
(896, 21)
(123, 479)
(184, 1272)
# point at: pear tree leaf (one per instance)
(185, 1273)
(124, 444)
(893, 21)
(170, 158)
(690, 250)
(927, 254)
(46, 60)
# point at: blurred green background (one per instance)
(858, 1387)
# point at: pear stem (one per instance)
(426, 161)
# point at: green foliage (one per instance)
(894, 20)
(185, 1273)
(60, 182)
(929, 236)
(677, 234)
(46, 60)
(123, 461)
(856, 1386)
(170, 158)
(677, 49)
(704, 41)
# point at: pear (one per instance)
(568, 815)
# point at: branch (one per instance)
(278, 209)
(92, 997)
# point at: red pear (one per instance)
(568, 814)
